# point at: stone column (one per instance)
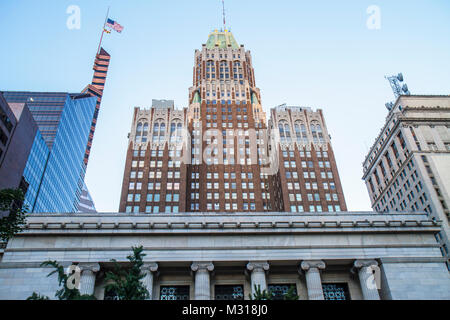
(258, 274)
(202, 287)
(313, 281)
(368, 279)
(148, 269)
(87, 280)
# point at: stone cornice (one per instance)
(227, 223)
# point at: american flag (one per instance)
(114, 25)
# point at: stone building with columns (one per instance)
(218, 256)
(408, 166)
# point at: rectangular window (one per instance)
(229, 292)
(335, 291)
(174, 293)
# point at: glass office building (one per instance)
(55, 169)
(34, 169)
(46, 108)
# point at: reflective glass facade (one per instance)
(34, 169)
(46, 108)
(55, 168)
(63, 178)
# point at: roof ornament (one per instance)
(224, 17)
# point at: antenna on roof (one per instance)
(395, 82)
(397, 88)
(224, 20)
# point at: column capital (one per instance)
(258, 266)
(89, 266)
(150, 266)
(312, 264)
(361, 263)
(207, 266)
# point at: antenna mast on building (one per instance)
(397, 88)
(224, 17)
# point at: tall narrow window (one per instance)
(145, 133)
(139, 133)
(156, 132)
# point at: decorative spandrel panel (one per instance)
(336, 291)
(174, 293)
(230, 292)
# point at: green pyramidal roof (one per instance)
(221, 38)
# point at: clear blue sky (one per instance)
(310, 53)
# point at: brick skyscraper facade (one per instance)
(218, 155)
(307, 167)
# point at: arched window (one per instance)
(173, 129)
(210, 69)
(285, 131)
(281, 128)
(162, 132)
(156, 132)
(179, 131)
(145, 133)
(320, 133)
(316, 131)
(298, 131)
(304, 133)
(138, 138)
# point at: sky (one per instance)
(320, 54)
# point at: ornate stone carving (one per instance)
(202, 287)
(258, 266)
(87, 281)
(370, 281)
(313, 281)
(89, 266)
(312, 264)
(203, 266)
(150, 266)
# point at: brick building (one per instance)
(226, 158)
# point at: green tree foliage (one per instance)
(269, 295)
(260, 295)
(291, 295)
(126, 282)
(65, 293)
(37, 296)
(11, 202)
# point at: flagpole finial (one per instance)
(224, 17)
(103, 31)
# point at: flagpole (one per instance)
(103, 31)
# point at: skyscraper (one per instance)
(408, 166)
(155, 177)
(96, 88)
(307, 167)
(55, 168)
(55, 171)
(219, 155)
(17, 135)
